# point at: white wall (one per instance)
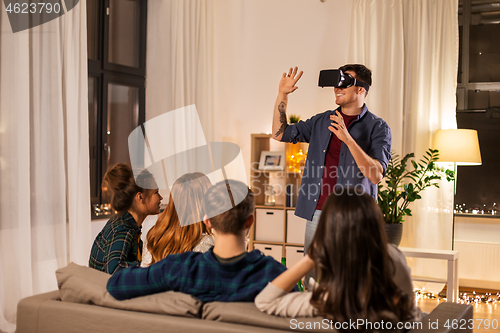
(476, 238)
(255, 42)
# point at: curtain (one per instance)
(180, 58)
(412, 48)
(181, 78)
(44, 156)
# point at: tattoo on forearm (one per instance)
(283, 121)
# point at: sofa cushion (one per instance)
(80, 284)
(248, 314)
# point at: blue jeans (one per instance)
(310, 231)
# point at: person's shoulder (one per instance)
(188, 259)
(318, 117)
(395, 253)
(258, 257)
(190, 255)
(324, 114)
(118, 224)
(204, 244)
(374, 118)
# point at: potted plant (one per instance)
(403, 184)
(294, 118)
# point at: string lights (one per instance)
(463, 297)
(296, 161)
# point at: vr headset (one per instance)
(338, 79)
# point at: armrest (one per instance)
(28, 310)
(435, 321)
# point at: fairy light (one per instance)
(463, 298)
(296, 161)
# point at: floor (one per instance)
(486, 315)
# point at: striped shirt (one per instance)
(200, 275)
(117, 245)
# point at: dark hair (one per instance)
(228, 204)
(362, 72)
(353, 264)
(119, 182)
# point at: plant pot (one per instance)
(394, 233)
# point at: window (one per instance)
(478, 103)
(116, 39)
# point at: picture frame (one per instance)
(272, 160)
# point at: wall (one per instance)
(255, 41)
(477, 240)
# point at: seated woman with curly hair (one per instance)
(361, 276)
(180, 228)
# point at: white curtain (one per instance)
(44, 156)
(180, 77)
(412, 48)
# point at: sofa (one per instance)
(82, 304)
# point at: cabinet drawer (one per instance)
(269, 225)
(275, 251)
(293, 255)
(295, 228)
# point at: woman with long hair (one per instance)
(119, 244)
(180, 228)
(360, 275)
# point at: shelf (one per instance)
(278, 178)
(269, 243)
(275, 207)
(293, 244)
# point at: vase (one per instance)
(394, 233)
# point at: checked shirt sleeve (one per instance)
(121, 245)
(136, 281)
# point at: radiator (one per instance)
(479, 264)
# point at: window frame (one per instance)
(463, 85)
(105, 73)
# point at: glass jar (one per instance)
(270, 196)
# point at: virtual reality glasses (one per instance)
(338, 79)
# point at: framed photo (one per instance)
(272, 160)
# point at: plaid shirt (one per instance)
(200, 275)
(117, 245)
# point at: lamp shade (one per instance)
(460, 146)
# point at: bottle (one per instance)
(283, 261)
(300, 285)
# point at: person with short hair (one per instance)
(226, 273)
(119, 243)
(362, 276)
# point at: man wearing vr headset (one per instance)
(348, 147)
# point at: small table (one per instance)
(451, 256)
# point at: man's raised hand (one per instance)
(288, 81)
